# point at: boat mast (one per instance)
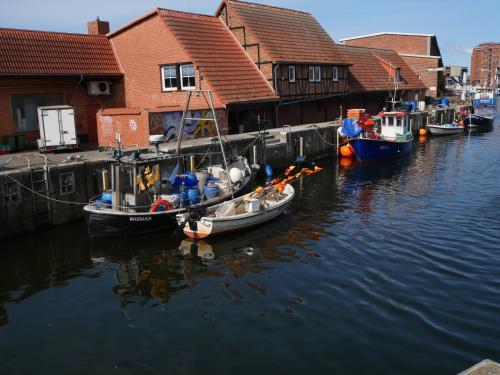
(184, 119)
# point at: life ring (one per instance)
(161, 202)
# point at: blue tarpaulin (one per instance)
(350, 127)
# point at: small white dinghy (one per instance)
(238, 214)
(445, 129)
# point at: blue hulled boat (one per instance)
(393, 139)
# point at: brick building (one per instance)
(375, 74)
(295, 54)
(163, 54)
(420, 52)
(485, 66)
(47, 68)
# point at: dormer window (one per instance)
(187, 76)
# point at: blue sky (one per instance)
(458, 25)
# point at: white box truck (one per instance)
(57, 128)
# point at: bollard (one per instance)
(192, 162)
(301, 147)
(105, 180)
(255, 157)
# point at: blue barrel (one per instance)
(444, 102)
(412, 105)
(212, 180)
(193, 195)
(268, 170)
(211, 191)
(106, 196)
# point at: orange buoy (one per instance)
(422, 131)
(345, 162)
(461, 123)
(346, 151)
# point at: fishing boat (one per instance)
(149, 189)
(143, 198)
(446, 129)
(392, 139)
(483, 116)
(238, 214)
(478, 121)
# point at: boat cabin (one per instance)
(394, 124)
(136, 179)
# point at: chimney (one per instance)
(98, 27)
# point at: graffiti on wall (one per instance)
(204, 127)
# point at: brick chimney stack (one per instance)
(98, 27)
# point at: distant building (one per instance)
(420, 51)
(376, 75)
(455, 79)
(485, 68)
(295, 54)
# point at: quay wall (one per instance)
(22, 210)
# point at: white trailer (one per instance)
(57, 128)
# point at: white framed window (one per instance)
(317, 73)
(335, 73)
(11, 193)
(291, 73)
(187, 76)
(169, 77)
(314, 73)
(67, 183)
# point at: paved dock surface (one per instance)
(90, 153)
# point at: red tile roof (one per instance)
(372, 67)
(286, 35)
(26, 52)
(223, 63)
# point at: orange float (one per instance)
(422, 132)
(346, 151)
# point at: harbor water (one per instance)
(384, 268)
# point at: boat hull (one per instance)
(477, 121)
(372, 149)
(234, 225)
(443, 130)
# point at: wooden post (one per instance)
(192, 162)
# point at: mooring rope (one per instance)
(321, 137)
(66, 202)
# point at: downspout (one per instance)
(276, 90)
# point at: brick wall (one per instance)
(72, 92)
(412, 44)
(135, 125)
(142, 50)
